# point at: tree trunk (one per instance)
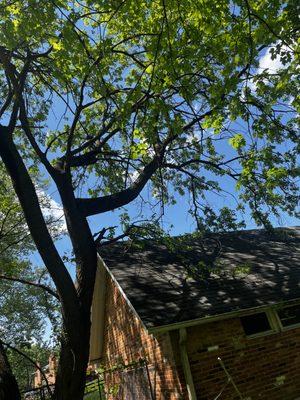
(9, 389)
(71, 374)
(75, 299)
(70, 382)
(75, 302)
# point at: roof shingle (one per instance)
(159, 285)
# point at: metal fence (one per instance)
(126, 382)
(40, 393)
(135, 384)
(131, 382)
(94, 390)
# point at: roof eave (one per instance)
(219, 317)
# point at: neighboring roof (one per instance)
(155, 279)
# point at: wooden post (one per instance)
(186, 365)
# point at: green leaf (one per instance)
(237, 141)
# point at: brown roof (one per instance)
(254, 268)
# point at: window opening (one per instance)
(256, 323)
(289, 316)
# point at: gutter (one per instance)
(186, 365)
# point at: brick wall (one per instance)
(263, 368)
(126, 341)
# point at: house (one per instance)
(49, 372)
(165, 327)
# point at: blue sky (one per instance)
(176, 215)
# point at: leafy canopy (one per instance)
(124, 92)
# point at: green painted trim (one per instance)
(261, 334)
(220, 317)
(286, 328)
(186, 365)
(271, 315)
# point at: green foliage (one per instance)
(237, 141)
(24, 309)
(152, 70)
(182, 97)
(92, 396)
(224, 220)
(241, 270)
(22, 368)
(14, 237)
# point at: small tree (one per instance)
(161, 93)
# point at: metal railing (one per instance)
(94, 390)
(40, 393)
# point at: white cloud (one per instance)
(133, 175)
(53, 213)
(266, 62)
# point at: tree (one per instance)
(8, 388)
(159, 94)
(23, 364)
(25, 307)
(20, 322)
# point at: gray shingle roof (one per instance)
(157, 283)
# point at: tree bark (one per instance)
(9, 389)
(71, 373)
(76, 301)
(93, 206)
(29, 202)
(70, 383)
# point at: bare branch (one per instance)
(35, 284)
(116, 200)
(21, 353)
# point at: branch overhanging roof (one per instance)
(254, 268)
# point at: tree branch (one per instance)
(26, 193)
(21, 353)
(107, 203)
(26, 127)
(180, 167)
(35, 284)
